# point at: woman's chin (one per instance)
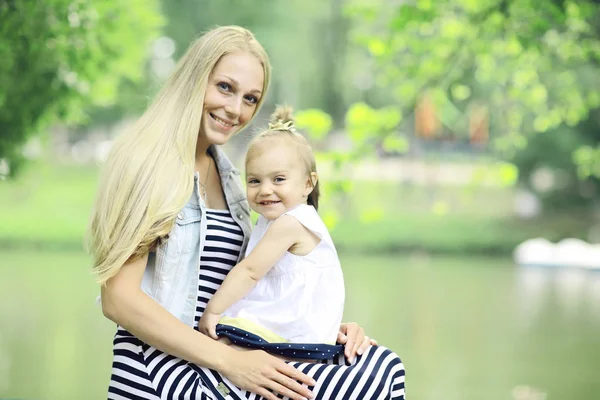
(217, 138)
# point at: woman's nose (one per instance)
(233, 107)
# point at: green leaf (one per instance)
(408, 14)
(587, 160)
(398, 144)
(536, 98)
(508, 174)
(461, 92)
(315, 122)
(424, 5)
(452, 28)
(360, 121)
(541, 124)
(377, 47)
(594, 99)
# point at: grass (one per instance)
(49, 207)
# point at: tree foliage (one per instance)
(534, 64)
(531, 66)
(306, 40)
(58, 56)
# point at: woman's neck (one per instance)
(201, 153)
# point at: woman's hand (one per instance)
(208, 324)
(353, 337)
(267, 376)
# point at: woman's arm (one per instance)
(282, 234)
(126, 304)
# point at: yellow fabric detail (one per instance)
(251, 327)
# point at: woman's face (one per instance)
(234, 87)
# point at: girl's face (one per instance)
(276, 179)
(234, 87)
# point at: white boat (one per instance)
(572, 253)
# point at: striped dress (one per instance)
(140, 371)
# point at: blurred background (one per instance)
(448, 133)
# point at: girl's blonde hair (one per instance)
(282, 127)
(149, 174)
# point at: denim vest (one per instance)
(171, 275)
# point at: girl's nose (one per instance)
(266, 189)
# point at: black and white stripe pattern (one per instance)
(142, 372)
(222, 245)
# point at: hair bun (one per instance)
(283, 114)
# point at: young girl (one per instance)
(287, 295)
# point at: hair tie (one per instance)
(282, 126)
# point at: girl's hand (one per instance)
(261, 373)
(208, 324)
(354, 339)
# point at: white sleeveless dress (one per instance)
(301, 299)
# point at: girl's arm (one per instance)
(126, 304)
(282, 234)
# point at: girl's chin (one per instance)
(271, 214)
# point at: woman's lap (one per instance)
(140, 371)
(377, 374)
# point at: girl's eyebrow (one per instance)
(236, 83)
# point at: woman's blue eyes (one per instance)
(226, 87)
(252, 99)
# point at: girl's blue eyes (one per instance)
(226, 87)
(255, 181)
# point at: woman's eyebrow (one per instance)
(236, 83)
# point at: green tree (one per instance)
(59, 56)
(532, 64)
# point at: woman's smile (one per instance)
(221, 124)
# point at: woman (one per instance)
(171, 219)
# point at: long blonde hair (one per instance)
(282, 127)
(148, 175)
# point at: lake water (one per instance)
(466, 328)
